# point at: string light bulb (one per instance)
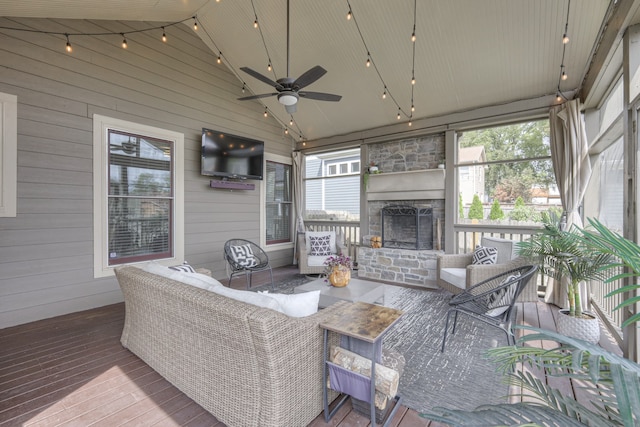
(69, 48)
(269, 66)
(265, 112)
(564, 75)
(413, 80)
(291, 122)
(124, 41)
(195, 24)
(565, 38)
(243, 86)
(349, 14)
(219, 57)
(558, 97)
(398, 113)
(413, 108)
(255, 23)
(384, 94)
(368, 59)
(413, 35)
(409, 123)
(286, 131)
(164, 35)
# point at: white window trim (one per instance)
(8, 154)
(101, 126)
(263, 202)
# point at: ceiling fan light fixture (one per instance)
(287, 98)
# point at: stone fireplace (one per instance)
(405, 205)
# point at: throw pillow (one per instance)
(296, 305)
(184, 267)
(198, 280)
(320, 246)
(243, 256)
(332, 239)
(499, 301)
(485, 255)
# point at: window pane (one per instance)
(278, 203)
(333, 197)
(611, 190)
(138, 229)
(140, 198)
(506, 175)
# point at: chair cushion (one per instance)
(316, 261)
(499, 301)
(485, 255)
(455, 276)
(332, 239)
(296, 305)
(320, 245)
(243, 256)
(506, 248)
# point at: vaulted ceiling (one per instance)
(468, 53)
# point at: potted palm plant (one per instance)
(611, 381)
(570, 259)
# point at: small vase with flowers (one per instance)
(338, 270)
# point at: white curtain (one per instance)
(570, 158)
(298, 199)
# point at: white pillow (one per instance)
(249, 297)
(296, 305)
(332, 239)
(198, 280)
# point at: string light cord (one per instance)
(264, 43)
(373, 63)
(565, 39)
(413, 59)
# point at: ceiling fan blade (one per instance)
(309, 77)
(262, 78)
(264, 95)
(320, 96)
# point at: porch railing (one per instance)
(350, 230)
(605, 305)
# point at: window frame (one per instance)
(101, 126)
(276, 158)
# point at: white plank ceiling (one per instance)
(468, 53)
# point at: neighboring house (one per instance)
(471, 177)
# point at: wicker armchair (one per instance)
(308, 264)
(491, 301)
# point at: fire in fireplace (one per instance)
(407, 227)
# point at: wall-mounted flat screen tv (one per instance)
(230, 156)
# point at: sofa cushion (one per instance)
(455, 276)
(249, 297)
(484, 255)
(332, 239)
(198, 280)
(320, 245)
(506, 248)
(296, 305)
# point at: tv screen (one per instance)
(230, 156)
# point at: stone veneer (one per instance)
(405, 266)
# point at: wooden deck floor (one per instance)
(72, 370)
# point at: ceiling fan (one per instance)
(288, 88)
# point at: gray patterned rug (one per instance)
(460, 377)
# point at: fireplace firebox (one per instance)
(407, 227)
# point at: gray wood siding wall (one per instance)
(46, 252)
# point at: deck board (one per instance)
(72, 370)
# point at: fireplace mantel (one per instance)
(411, 185)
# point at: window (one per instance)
(332, 186)
(278, 203)
(611, 186)
(504, 174)
(8, 154)
(138, 204)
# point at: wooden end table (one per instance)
(366, 323)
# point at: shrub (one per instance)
(476, 211)
(496, 211)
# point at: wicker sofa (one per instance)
(247, 365)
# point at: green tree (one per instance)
(476, 211)
(518, 141)
(496, 211)
(522, 212)
(460, 207)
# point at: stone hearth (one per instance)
(404, 266)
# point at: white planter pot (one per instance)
(587, 329)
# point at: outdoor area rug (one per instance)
(461, 377)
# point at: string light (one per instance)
(265, 112)
(269, 66)
(291, 122)
(164, 35)
(69, 48)
(565, 40)
(384, 94)
(368, 59)
(124, 41)
(349, 14)
(413, 108)
(255, 23)
(413, 80)
(564, 75)
(244, 85)
(219, 57)
(398, 113)
(558, 96)
(409, 123)
(286, 131)
(195, 24)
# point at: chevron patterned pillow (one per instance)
(485, 255)
(243, 256)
